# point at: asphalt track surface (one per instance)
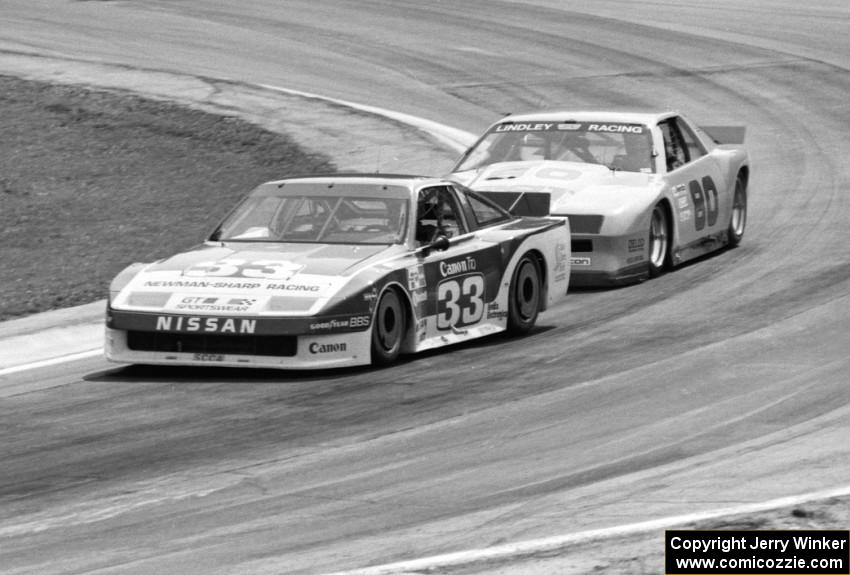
(725, 381)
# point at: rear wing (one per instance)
(520, 203)
(725, 134)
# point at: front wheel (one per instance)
(659, 241)
(738, 220)
(524, 296)
(388, 328)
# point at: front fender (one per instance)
(120, 281)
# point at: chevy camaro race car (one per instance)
(340, 270)
(643, 191)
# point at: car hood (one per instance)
(569, 187)
(257, 277)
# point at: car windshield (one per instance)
(626, 147)
(330, 214)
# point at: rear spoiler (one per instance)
(520, 203)
(725, 134)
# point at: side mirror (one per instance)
(440, 243)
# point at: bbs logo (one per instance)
(359, 321)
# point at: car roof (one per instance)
(649, 118)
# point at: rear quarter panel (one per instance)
(552, 243)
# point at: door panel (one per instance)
(461, 281)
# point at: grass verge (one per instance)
(91, 181)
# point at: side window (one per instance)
(437, 212)
(674, 147)
(692, 143)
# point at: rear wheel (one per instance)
(524, 296)
(388, 328)
(659, 241)
(738, 220)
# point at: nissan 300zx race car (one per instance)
(340, 270)
(643, 191)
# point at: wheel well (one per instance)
(668, 211)
(744, 174)
(409, 341)
(672, 228)
(541, 265)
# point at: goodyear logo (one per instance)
(354, 322)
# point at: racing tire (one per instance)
(388, 328)
(738, 219)
(524, 296)
(659, 241)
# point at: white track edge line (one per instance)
(458, 140)
(52, 361)
(549, 544)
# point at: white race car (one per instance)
(337, 271)
(643, 191)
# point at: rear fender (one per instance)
(551, 248)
